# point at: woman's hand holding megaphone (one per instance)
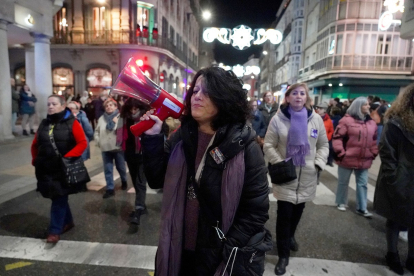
(156, 129)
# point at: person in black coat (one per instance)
(268, 107)
(70, 141)
(394, 193)
(212, 143)
(258, 123)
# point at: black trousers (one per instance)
(331, 152)
(392, 232)
(136, 170)
(288, 217)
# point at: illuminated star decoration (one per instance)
(241, 37)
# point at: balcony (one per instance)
(360, 63)
(110, 37)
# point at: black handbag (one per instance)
(250, 259)
(73, 169)
(283, 172)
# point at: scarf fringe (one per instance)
(298, 154)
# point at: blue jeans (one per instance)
(361, 179)
(108, 158)
(379, 131)
(60, 214)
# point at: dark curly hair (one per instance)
(226, 92)
(129, 104)
(403, 107)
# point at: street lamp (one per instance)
(206, 15)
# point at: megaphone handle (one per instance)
(141, 127)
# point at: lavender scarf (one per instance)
(297, 141)
(168, 262)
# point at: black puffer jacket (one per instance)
(253, 208)
(47, 163)
(394, 193)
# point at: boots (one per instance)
(136, 217)
(393, 261)
(25, 133)
(32, 131)
(409, 264)
(280, 268)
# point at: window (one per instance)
(353, 10)
(358, 44)
(98, 14)
(365, 44)
(62, 79)
(373, 42)
(383, 45)
(342, 10)
(394, 48)
(60, 23)
(339, 44)
(349, 43)
(143, 17)
(99, 77)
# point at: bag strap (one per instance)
(52, 140)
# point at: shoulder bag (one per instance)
(283, 172)
(73, 169)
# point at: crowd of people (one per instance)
(212, 166)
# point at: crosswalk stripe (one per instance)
(143, 257)
(98, 181)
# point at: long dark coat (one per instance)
(394, 193)
(253, 208)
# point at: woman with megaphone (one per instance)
(215, 184)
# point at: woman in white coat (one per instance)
(296, 132)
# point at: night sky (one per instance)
(231, 13)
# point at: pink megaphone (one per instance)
(132, 82)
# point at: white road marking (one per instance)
(143, 257)
(92, 253)
(98, 181)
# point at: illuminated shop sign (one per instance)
(387, 18)
(242, 37)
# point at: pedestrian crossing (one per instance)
(143, 257)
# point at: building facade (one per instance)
(343, 51)
(25, 22)
(92, 40)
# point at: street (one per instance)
(331, 242)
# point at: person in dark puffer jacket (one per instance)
(71, 142)
(215, 183)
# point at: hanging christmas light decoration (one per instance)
(242, 37)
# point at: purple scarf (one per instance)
(297, 141)
(170, 244)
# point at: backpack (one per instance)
(375, 116)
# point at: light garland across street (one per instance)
(242, 37)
